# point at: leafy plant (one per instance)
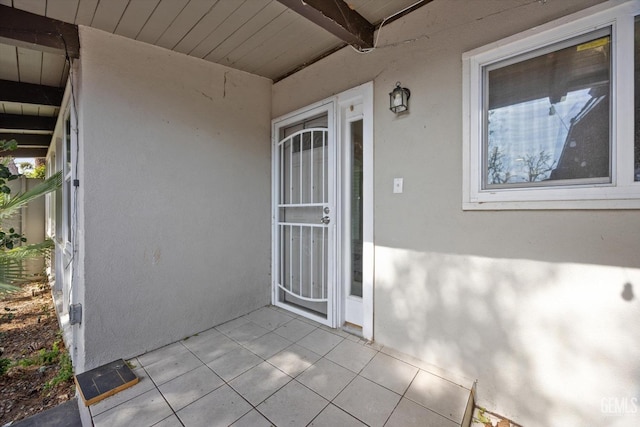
(10, 239)
(26, 362)
(65, 373)
(5, 173)
(49, 357)
(4, 365)
(11, 255)
(45, 357)
(482, 418)
(39, 172)
(11, 270)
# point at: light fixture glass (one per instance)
(399, 99)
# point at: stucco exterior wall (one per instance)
(174, 205)
(532, 304)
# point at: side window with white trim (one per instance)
(548, 116)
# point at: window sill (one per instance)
(592, 198)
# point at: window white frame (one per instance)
(64, 156)
(60, 203)
(622, 192)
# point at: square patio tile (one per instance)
(326, 378)
(390, 373)
(189, 387)
(351, 355)
(356, 339)
(421, 364)
(145, 409)
(145, 384)
(162, 353)
(367, 401)
(234, 363)
(232, 324)
(209, 347)
(339, 332)
(173, 366)
(294, 330)
(252, 419)
(292, 405)
(268, 318)
(333, 416)
(439, 395)
(268, 345)
(172, 421)
(320, 341)
(307, 320)
(211, 332)
(259, 382)
(294, 359)
(221, 407)
(410, 414)
(243, 334)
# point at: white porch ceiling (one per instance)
(262, 37)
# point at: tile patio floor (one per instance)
(272, 367)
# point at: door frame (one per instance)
(362, 95)
(334, 106)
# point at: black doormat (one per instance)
(105, 381)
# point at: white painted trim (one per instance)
(368, 264)
(623, 192)
(363, 94)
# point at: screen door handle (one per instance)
(325, 220)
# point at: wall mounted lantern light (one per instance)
(399, 99)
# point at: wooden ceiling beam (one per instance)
(336, 17)
(28, 140)
(27, 123)
(25, 152)
(27, 93)
(25, 29)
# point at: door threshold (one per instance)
(352, 329)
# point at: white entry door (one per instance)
(323, 211)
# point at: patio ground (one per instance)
(272, 367)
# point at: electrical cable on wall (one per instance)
(74, 173)
(375, 43)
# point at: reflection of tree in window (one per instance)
(548, 115)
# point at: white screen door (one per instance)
(323, 211)
(304, 163)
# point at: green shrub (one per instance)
(4, 366)
(64, 374)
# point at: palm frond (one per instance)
(9, 205)
(11, 272)
(11, 264)
(28, 251)
(6, 288)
